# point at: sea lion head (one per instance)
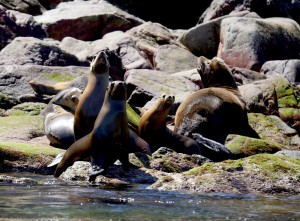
(215, 73)
(100, 63)
(164, 103)
(117, 90)
(68, 98)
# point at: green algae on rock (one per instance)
(21, 157)
(28, 108)
(257, 174)
(241, 146)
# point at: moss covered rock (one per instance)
(272, 128)
(20, 157)
(261, 173)
(241, 146)
(28, 108)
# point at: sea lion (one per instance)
(108, 140)
(216, 110)
(59, 117)
(152, 128)
(51, 89)
(93, 95)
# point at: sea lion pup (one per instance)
(93, 95)
(59, 117)
(152, 128)
(218, 109)
(108, 140)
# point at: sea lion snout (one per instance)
(100, 63)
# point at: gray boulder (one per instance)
(250, 42)
(85, 20)
(29, 50)
(289, 69)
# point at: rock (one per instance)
(289, 153)
(265, 9)
(167, 160)
(29, 50)
(14, 78)
(241, 146)
(246, 76)
(258, 174)
(205, 44)
(155, 83)
(272, 128)
(7, 102)
(32, 7)
(150, 36)
(4, 179)
(289, 69)
(13, 24)
(85, 20)
(28, 108)
(24, 157)
(172, 59)
(250, 42)
(260, 96)
(122, 54)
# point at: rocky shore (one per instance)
(53, 41)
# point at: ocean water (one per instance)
(53, 199)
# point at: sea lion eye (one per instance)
(163, 95)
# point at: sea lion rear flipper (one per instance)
(56, 160)
(212, 149)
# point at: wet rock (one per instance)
(167, 160)
(261, 173)
(85, 20)
(16, 180)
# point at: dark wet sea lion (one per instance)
(153, 129)
(108, 141)
(218, 109)
(93, 95)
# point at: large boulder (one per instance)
(32, 7)
(85, 20)
(143, 85)
(265, 9)
(14, 79)
(123, 56)
(14, 23)
(29, 50)
(250, 42)
(203, 39)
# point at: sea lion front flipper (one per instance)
(212, 149)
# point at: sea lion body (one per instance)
(59, 118)
(153, 129)
(92, 98)
(108, 141)
(216, 110)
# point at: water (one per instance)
(56, 200)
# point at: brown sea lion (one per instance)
(93, 95)
(59, 117)
(108, 140)
(51, 89)
(218, 109)
(153, 129)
